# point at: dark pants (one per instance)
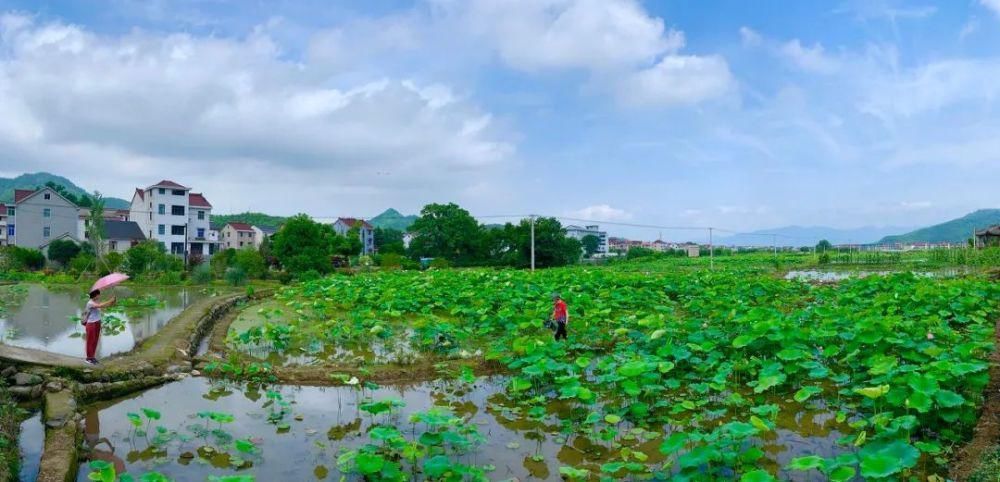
(93, 336)
(560, 329)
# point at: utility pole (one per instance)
(532, 217)
(711, 250)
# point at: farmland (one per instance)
(689, 374)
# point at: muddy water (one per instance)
(39, 317)
(325, 422)
(31, 442)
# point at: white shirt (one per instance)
(93, 313)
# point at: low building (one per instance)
(988, 237)
(3, 225)
(39, 217)
(579, 233)
(119, 236)
(238, 236)
(366, 232)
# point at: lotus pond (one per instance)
(723, 375)
(47, 317)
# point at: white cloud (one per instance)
(147, 103)
(812, 59)
(993, 5)
(933, 86)
(750, 37)
(677, 79)
(915, 205)
(601, 212)
(558, 34)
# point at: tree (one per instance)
(24, 258)
(251, 262)
(62, 251)
(389, 241)
(303, 244)
(349, 244)
(447, 231)
(590, 244)
(823, 245)
(95, 225)
(510, 245)
(140, 258)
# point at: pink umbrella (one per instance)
(109, 281)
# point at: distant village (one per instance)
(180, 219)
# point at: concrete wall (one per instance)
(30, 222)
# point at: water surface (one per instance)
(40, 317)
(31, 442)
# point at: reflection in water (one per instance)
(42, 319)
(326, 421)
(30, 442)
(100, 447)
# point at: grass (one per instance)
(10, 461)
(989, 468)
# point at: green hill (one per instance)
(954, 231)
(392, 219)
(38, 179)
(257, 219)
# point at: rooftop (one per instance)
(167, 183)
(240, 226)
(123, 230)
(354, 222)
(21, 194)
(196, 199)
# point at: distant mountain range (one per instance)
(38, 179)
(954, 231)
(392, 219)
(810, 235)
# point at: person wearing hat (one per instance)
(560, 315)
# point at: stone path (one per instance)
(38, 357)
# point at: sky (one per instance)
(733, 114)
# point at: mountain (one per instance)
(256, 219)
(392, 219)
(810, 235)
(38, 179)
(954, 231)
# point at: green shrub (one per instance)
(83, 262)
(62, 251)
(250, 261)
(309, 275)
(170, 278)
(24, 259)
(236, 276)
(390, 260)
(284, 277)
(113, 261)
(202, 274)
(438, 263)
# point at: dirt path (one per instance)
(986, 435)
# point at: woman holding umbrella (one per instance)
(92, 313)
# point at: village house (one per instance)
(988, 237)
(3, 225)
(119, 236)
(176, 217)
(366, 232)
(40, 216)
(578, 232)
(238, 236)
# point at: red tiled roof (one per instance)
(142, 195)
(196, 199)
(241, 226)
(20, 194)
(166, 183)
(351, 222)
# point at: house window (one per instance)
(162, 209)
(201, 215)
(177, 230)
(201, 232)
(177, 210)
(46, 213)
(10, 211)
(162, 191)
(46, 231)
(47, 196)
(177, 192)
(10, 230)
(241, 244)
(113, 245)
(161, 229)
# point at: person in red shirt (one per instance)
(560, 315)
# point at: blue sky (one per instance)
(744, 115)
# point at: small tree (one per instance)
(823, 246)
(62, 251)
(250, 262)
(95, 225)
(590, 244)
(140, 258)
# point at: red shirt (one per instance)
(559, 313)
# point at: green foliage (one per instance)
(954, 231)
(63, 250)
(254, 218)
(202, 274)
(590, 244)
(62, 185)
(236, 276)
(389, 241)
(823, 245)
(304, 245)
(251, 262)
(23, 259)
(447, 231)
(140, 259)
(392, 219)
(83, 262)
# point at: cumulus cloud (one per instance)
(678, 79)
(750, 37)
(149, 102)
(623, 47)
(813, 59)
(602, 212)
(993, 5)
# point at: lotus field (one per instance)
(698, 375)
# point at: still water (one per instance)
(40, 317)
(325, 422)
(30, 442)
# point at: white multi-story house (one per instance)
(173, 215)
(582, 232)
(366, 231)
